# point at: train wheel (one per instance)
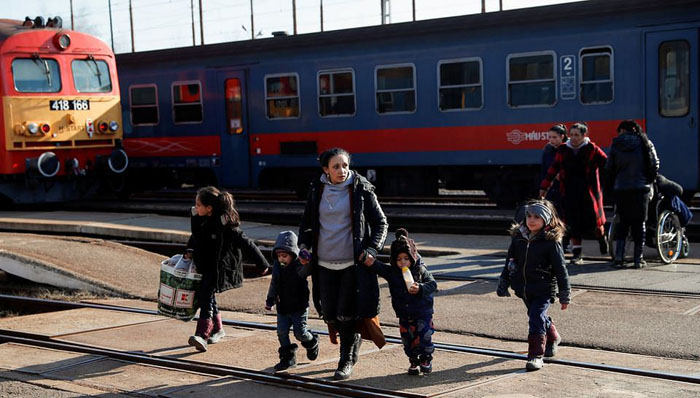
(669, 237)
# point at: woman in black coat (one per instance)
(343, 225)
(632, 168)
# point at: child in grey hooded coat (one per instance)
(289, 291)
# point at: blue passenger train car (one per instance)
(461, 102)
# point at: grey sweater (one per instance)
(335, 249)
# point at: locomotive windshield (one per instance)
(36, 75)
(91, 76)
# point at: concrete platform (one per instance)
(454, 375)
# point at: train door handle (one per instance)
(692, 122)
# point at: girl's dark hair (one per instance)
(583, 127)
(222, 204)
(326, 156)
(561, 130)
(553, 231)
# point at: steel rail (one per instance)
(694, 379)
(599, 288)
(280, 379)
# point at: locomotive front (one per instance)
(61, 115)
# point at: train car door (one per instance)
(233, 128)
(672, 102)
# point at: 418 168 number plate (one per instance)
(69, 105)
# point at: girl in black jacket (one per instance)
(534, 267)
(217, 245)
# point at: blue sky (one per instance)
(168, 23)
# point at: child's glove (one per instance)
(370, 251)
(502, 290)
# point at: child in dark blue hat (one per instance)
(412, 288)
(289, 291)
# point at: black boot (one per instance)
(311, 347)
(426, 363)
(346, 330)
(414, 369)
(355, 353)
(638, 256)
(619, 253)
(288, 357)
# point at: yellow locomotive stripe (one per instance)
(69, 128)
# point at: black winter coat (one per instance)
(369, 229)
(539, 268)
(218, 252)
(289, 290)
(406, 305)
(632, 165)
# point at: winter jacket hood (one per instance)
(287, 241)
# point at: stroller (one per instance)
(665, 226)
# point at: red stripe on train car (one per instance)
(207, 145)
(431, 139)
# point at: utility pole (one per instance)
(483, 6)
(192, 12)
(500, 5)
(131, 23)
(72, 25)
(294, 15)
(413, 2)
(386, 11)
(252, 22)
(321, 15)
(201, 23)
(111, 28)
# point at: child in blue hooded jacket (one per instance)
(289, 291)
(412, 303)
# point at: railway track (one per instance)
(286, 380)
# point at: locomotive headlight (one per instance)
(33, 128)
(113, 126)
(61, 40)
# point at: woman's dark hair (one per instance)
(326, 156)
(583, 128)
(561, 130)
(222, 204)
(629, 125)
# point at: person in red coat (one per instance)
(578, 163)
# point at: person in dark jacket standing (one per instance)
(289, 292)
(217, 245)
(342, 224)
(577, 164)
(412, 288)
(534, 268)
(632, 168)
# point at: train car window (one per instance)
(460, 86)
(336, 93)
(596, 75)
(144, 105)
(36, 75)
(91, 76)
(187, 102)
(395, 88)
(234, 106)
(531, 79)
(674, 78)
(282, 96)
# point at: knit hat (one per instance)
(403, 244)
(541, 210)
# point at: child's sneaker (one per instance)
(426, 363)
(414, 369)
